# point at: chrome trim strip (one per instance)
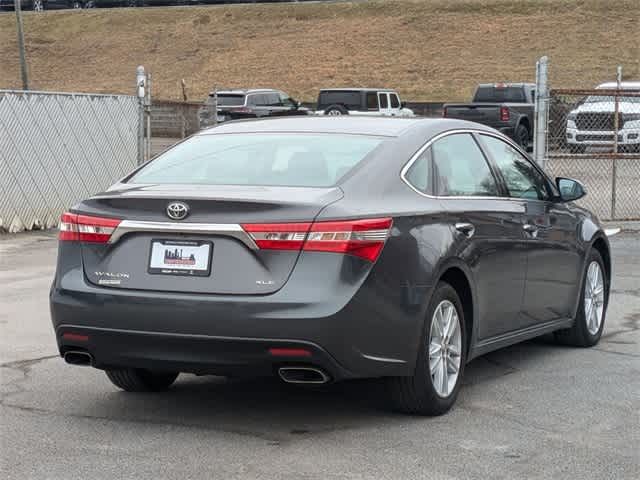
(225, 229)
(383, 359)
(416, 155)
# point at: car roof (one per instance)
(243, 91)
(357, 89)
(623, 85)
(507, 84)
(348, 124)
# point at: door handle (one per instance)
(466, 228)
(530, 228)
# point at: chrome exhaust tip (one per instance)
(78, 357)
(303, 375)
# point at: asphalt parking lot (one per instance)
(536, 410)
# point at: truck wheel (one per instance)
(334, 110)
(522, 136)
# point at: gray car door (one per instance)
(488, 228)
(551, 228)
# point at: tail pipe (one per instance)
(78, 357)
(303, 375)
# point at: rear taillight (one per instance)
(361, 238)
(85, 228)
(504, 114)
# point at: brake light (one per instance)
(504, 114)
(85, 228)
(360, 238)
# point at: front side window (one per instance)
(274, 159)
(384, 102)
(286, 100)
(395, 103)
(523, 180)
(273, 99)
(460, 168)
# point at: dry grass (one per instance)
(428, 49)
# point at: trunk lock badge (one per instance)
(177, 210)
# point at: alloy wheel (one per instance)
(594, 297)
(38, 5)
(334, 113)
(445, 348)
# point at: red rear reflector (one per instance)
(77, 337)
(85, 228)
(504, 114)
(361, 238)
(289, 352)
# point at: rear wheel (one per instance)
(589, 323)
(522, 136)
(335, 110)
(140, 380)
(434, 386)
(38, 5)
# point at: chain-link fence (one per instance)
(594, 136)
(58, 148)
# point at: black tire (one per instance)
(336, 110)
(521, 136)
(139, 380)
(578, 335)
(416, 394)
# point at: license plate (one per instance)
(171, 257)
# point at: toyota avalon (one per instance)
(326, 249)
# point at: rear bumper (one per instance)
(354, 328)
(200, 354)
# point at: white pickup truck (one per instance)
(592, 124)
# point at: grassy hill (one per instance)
(433, 50)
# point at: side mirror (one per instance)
(403, 104)
(570, 190)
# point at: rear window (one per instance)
(225, 100)
(499, 94)
(351, 100)
(278, 159)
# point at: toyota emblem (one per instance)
(177, 210)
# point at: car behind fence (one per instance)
(594, 136)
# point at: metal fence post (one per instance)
(540, 127)
(148, 117)
(141, 81)
(616, 127)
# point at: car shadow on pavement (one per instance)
(269, 409)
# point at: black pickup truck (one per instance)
(507, 107)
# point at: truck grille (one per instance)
(597, 121)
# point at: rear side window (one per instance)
(372, 101)
(460, 168)
(395, 103)
(419, 174)
(279, 159)
(257, 100)
(499, 94)
(225, 100)
(351, 100)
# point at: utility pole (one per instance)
(23, 56)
